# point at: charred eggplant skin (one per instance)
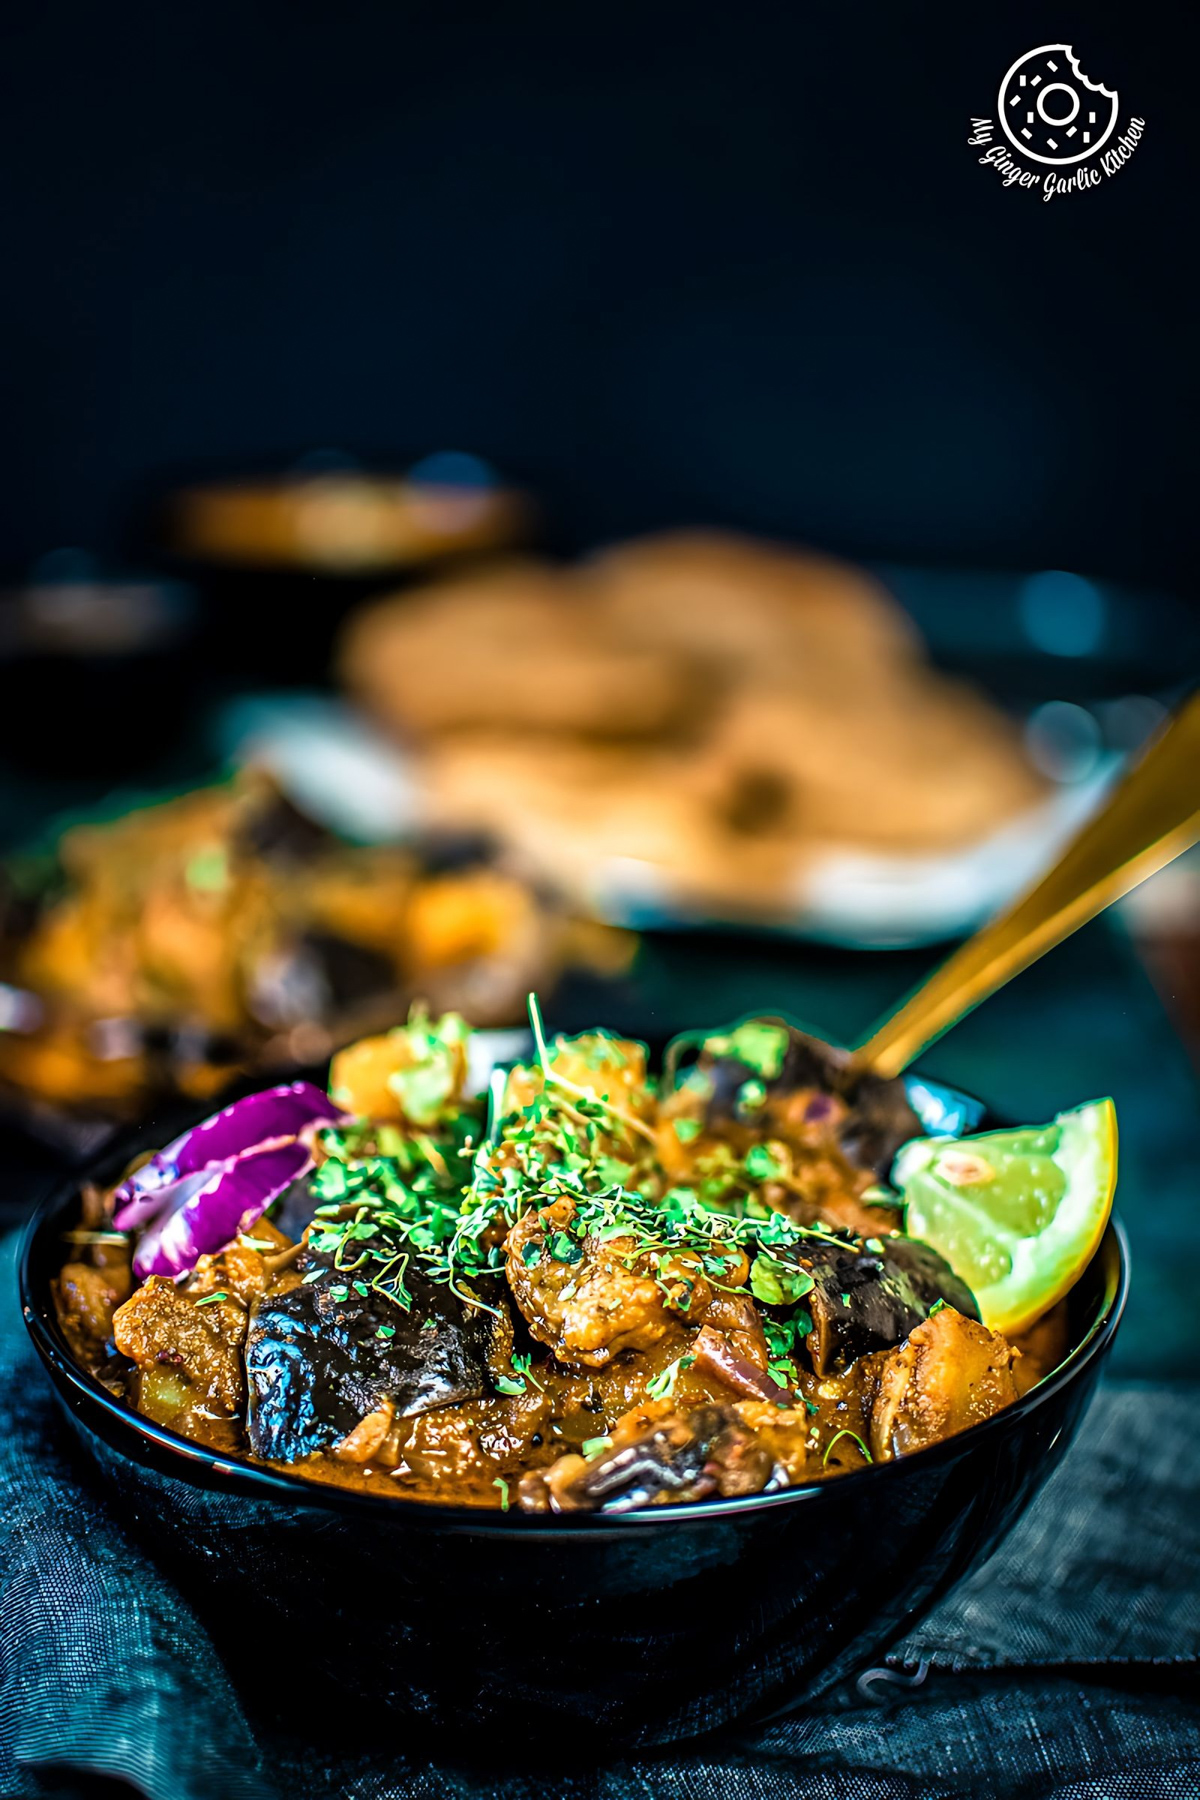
(870, 1299)
(679, 1458)
(880, 1116)
(321, 1356)
(880, 1119)
(652, 1469)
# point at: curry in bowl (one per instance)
(584, 1288)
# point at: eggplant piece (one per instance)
(446, 851)
(684, 1458)
(316, 1365)
(318, 977)
(642, 1472)
(276, 829)
(879, 1119)
(293, 1212)
(351, 973)
(865, 1300)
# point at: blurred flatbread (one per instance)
(699, 713)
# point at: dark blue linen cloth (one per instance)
(1066, 1667)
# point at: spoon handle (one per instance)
(1150, 817)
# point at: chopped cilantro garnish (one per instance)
(523, 1365)
(431, 1054)
(593, 1447)
(936, 1307)
(503, 1486)
(522, 1373)
(761, 1164)
(678, 1293)
(663, 1384)
(686, 1129)
(761, 1046)
(777, 1283)
(389, 1140)
(440, 1201)
(207, 869)
(208, 1299)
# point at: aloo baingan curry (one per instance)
(586, 1288)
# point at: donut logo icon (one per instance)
(1050, 111)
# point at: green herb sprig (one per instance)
(441, 1203)
(837, 1437)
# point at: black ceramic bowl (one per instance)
(632, 1630)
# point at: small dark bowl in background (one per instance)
(281, 557)
(94, 658)
(493, 1628)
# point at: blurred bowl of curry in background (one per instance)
(173, 947)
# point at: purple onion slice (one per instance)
(194, 1196)
(215, 1204)
(714, 1352)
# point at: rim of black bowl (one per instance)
(234, 1474)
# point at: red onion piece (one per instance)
(219, 1203)
(279, 1112)
(215, 1180)
(715, 1353)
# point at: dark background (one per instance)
(725, 263)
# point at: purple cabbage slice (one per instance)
(194, 1196)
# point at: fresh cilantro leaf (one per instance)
(761, 1164)
(777, 1284)
(756, 1043)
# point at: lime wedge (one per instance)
(1017, 1214)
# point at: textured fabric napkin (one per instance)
(1066, 1667)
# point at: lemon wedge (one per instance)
(1017, 1214)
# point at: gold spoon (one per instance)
(1151, 817)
